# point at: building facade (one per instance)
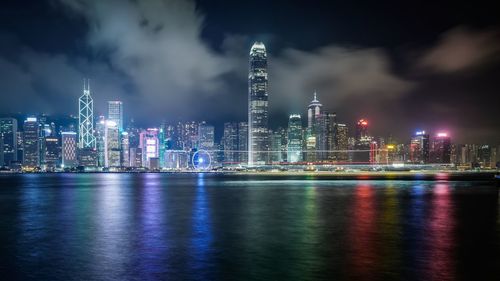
(258, 106)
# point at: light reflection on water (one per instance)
(205, 227)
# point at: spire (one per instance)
(315, 99)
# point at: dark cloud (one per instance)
(462, 49)
(153, 56)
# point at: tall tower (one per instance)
(86, 118)
(258, 112)
(115, 113)
(313, 112)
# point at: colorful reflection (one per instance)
(362, 235)
(201, 237)
(154, 248)
(441, 224)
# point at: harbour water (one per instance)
(214, 227)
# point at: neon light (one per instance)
(31, 119)
(442, 135)
(419, 133)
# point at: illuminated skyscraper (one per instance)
(294, 153)
(100, 141)
(8, 132)
(150, 146)
(419, 148)
(313, 112)
(362, 143)
(258, 112)
(206, 136)
(243, 142)
(31, 143)
(86, 118)
(230, 142)
(68, 153)
(441, 148)
(115, 113)
(51, 153)
(341, 136)
(111, 145)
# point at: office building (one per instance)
(69, 150)
(294, 147)
(8, 133)
(31, 143)
(86, 118)
(115, 113)
(258, 107)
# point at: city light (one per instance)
(442, 135)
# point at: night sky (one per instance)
(402, 65)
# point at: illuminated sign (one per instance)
(31, 119)
(420, 133)
(442, 135)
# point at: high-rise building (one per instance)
(69, 149)
(362, 145)
(87, 158)
(111, 145)
(31, 143)
(242, 142)
(419, 148)
(441, 148)
(206, 136)
(313, 112)
(230, 142)
(100, 133)
(8, 132)
(187, 135)
(51, 153)
(294, 153)
(86, 118)
(149, 143)
(258, 112)
(135, 157)
(125, 150)
(341, 136)
(115, 113)
(325, 131)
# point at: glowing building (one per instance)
(419, 148)
(341, 139)
(242, 142)
(313, 112)
(362, 143)
(206, 136)
(230, 142)
(100, 141)
(115, 113)
(441, 148)
(51, 153)
(68, 149)
(31, 143)
(258, 111)
(86, 118)
(111, 145)
(150, 146)
(8, 132)
(125, 150)
(294, 151)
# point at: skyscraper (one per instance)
(441, 148)
(8, 132)
(242, 142)
(115, 113)
(51, 152)
(68, 153)
(341, 136)
(150, 146)
(419, 148)
(362, 143)
(86, 118)
(206, 136)
(294, 153)
(31, 143)
(258, 112)
(230, 142)
(313, 112)
(111, 145)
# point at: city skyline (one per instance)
(442, 76)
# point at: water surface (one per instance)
(212, 227)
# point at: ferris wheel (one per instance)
(201, 160)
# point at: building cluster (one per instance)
(93, 142)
